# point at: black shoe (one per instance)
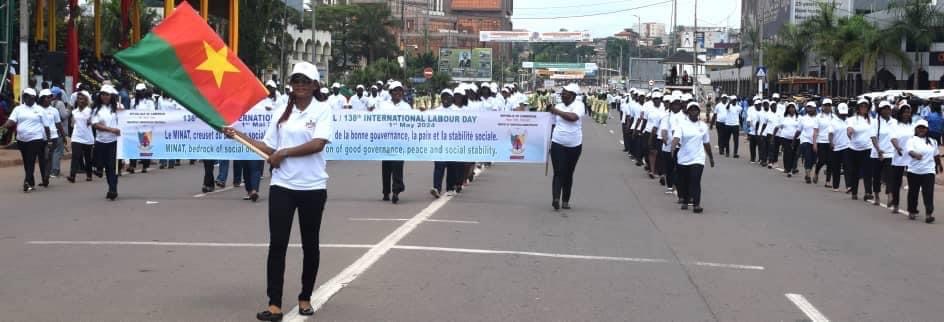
(45, 183)
(98, 174)
(929, 220)
(789, 175)
(309, 311)
(435, 192)
(555, 204)
(221, 184)
(808, 180)
(698, 210)
(685, 206)
(395, 199)
(737, 156)
(207, 189)
(71, 179)
(111, 196)
(662, 181)
(913, 216)
(565, 205)
(254, 197)
(269, 316)
(386, 197)
(144, 170)
(88, 179)
(162, 167)
(130, 170)
(867, 197)
(855, 197)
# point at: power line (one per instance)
(592, 14)
(573, 6)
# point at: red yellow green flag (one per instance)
(184, 57)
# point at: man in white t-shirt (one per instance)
(392, 171)
(732, 122)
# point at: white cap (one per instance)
(922, 122)
(863, 101)
(883, 104)
(811, 104)
(373, 86)
(843, 108)
(791, 103)
(656, 95)
(108, 89)
(673, 99)
(776, 95)
(271, 83)
(573, 88)
(45, 92)
(827, 101)
(903, 104)
(359, 87)
(306, 69)
(506, 90)
(395, 84)
(693, 104)
(29, 91)
(757, 102)
(446, 91)
(335, 85)
(140, 87)
(324, 90)
(86, 94)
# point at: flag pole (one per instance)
(265, 156)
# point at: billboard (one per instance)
(477, 5)
(528, 36)
(466, 65)
(540, 65)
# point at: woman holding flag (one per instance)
(566, 144)
(295, 143)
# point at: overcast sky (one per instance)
(718, 13)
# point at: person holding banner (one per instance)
(566, 144)
(295, 143)
(392, 171)
(142, 101)
(32, 131)
(440, 168)
(105, 122)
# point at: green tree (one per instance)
(827, 41)
(788, 52)
(918, 22)
(261, 33)
(111, 23)
(871, 45)
(358, 32)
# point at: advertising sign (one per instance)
(466, 65)
(536, 37)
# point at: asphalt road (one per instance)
(766, 249)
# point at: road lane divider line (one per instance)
(732, 266)
(807, 308)
(535, 254)
(406, 219)
(179, 244)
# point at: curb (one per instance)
(19, 161)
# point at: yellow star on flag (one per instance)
(217, 62)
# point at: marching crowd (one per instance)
(878, 141)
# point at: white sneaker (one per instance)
(450, 193)
(669, 191)
(434, 192)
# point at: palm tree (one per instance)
(918, 21)
(787, 52)
(872, 44)
(824, 27)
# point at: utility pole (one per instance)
(24, 48)
(760, 37)
(695, 55)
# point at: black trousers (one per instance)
(689, 183)
(809, 158)
(789, 154)
(923, 183)
(669, 167)
(626, 143)
(836, 161)
(896, 174)
(31, 152)
(773, 150)
(763, 152)
(564, 160)
(451, 171)
(392, 177)
(81, 159)
(822, 156)
(855, 169)
(145, 163)
(722, 137)
(874, 174)
(734, 135)
(282, 206)
(753, 144)
(106, 154)
(208, 179)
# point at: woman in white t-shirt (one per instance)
(839, 143)
(859, 132)
(105, 122)
(32, 131)
(925, 162)
(904, 131)
(295, 143)
(881, 154)
(566, 144)
(786, 133)
(809, 130)
(82, 137)
(692, 142)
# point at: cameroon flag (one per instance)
(184, 57)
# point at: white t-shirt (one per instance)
(146, 104)
(882, 130)
(808, 124)
(567, 133)
(902, 133)
(31, 122)
(773, 122)
(359, 103)
(669, 124)
(105, 117)
(302, 172)
(167, 104)
(51, 114)
(82, 127)
(336, 102)
(692, 139)
(788, 127)
(823, 122)
(270, 104)
(927, 151)
(837, 128)
(733, 117)
(861, 139)
(721, 113)
(387, 106)
(655, 120)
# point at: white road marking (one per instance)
(807, 308)
(151, 202)
(213, 192)
(402, 247)
(336, 283)
(406, 219)
(611, 132)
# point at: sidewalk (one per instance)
(11, 158)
